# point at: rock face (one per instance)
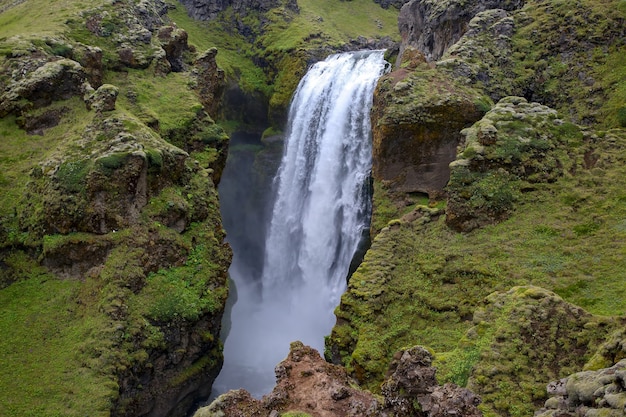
(433, 26)
(416, 117)
(207, 10)
(308, 384)
(488, 40)
(123, 207)
(588, 393)
(210, 81)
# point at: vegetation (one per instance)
(74, 327)
(282, 40)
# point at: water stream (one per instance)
(321, 208)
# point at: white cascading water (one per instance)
(320, 212)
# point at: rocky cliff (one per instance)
(111, 215)
(497, 233)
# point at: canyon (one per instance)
(497, 226)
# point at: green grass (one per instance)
(37, 18)
(46, 343)
(589, 85)
(421, 283)
(168, 100)
(334, 22)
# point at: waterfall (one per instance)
(321, 209)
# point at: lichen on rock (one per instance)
(515, 143)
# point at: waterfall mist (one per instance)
(321, 207)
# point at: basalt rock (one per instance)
(417, 117)
(433, 26)
(308, 384)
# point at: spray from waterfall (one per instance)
(321, 209)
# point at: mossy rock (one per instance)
(417, 115)
(514, 144)
(525, 338)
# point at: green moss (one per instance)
(420, 283)
(587, 84)
(42, 319)
(72, 175)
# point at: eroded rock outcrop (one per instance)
(515, 141)
(416, 117)
(411, 389)
(588, 394)
(308, 384)
(118, 205)
(525, 337)
(433, 26)
(58, 79)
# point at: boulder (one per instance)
(308, 384)
(588, 394)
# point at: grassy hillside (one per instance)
(71, 335)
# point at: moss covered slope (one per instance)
(532, 214)
(112, 260)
